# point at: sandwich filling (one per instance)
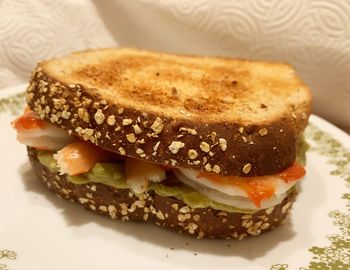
(84, 162)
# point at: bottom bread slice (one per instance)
(169, 212)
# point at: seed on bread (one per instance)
(190, 131)
(286, 207)
(207, 167)
(102, 208)
(137, 129)
(87, 134)
(160, 215)
(196, 217)
(139, 151)
(247, 167)
(192, 154)
(65, 114)
(157, 125)
(83, 114)
(205, 159)
(212, 136)
(42, 100)
(142, 141)
(175, 206)
(222, 144)
(205, 147)
(99, 117)
(83, 200)
(127, 122)
(131, 137)
(263, 132)
(175, 146)
(112, 210)
(216, 169)
(111, 120)
(184, 209)
(58, 103)
(155, 148)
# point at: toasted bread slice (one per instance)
(227, 116)
(167, 212)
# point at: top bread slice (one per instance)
(221, 115)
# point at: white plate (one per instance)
(40, 231)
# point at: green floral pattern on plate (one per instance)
(13, 104)
(7, 254)
(336, 255)
(279, 267)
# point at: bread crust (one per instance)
(223, 147)
(167, 212)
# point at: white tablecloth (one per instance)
(313, 36)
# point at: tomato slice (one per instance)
(293, 173)
(257, 188)
(27, 121)
(258, 191)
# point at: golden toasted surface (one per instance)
(204, 89)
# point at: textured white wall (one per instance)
(313, 36)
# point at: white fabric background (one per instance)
(313, 36)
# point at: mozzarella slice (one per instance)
(242, 202)
(43, 135)
(233, 190)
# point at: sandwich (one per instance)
(206, 146)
